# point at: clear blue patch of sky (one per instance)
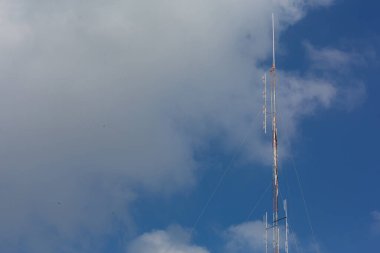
(338, 152)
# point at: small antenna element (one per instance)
(286, 227)
(266, 231)
(265, 102)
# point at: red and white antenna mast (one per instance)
(275, 225)
(276, 230)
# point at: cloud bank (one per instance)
(173, 240)
(247, 236)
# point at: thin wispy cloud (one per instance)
(335, 65)
(333, 59)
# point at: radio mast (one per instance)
(276, 230)
(273, 113)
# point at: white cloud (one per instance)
(246, 237)
(102, 101)
(300, 97)
(293, 10)
(333, 59)
(320, 3)
(174, 240)
(250, 237)
(336, 64)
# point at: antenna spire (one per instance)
(274, 53)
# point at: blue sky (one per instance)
(339, 148)
(135, 127)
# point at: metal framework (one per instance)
(273, 113)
